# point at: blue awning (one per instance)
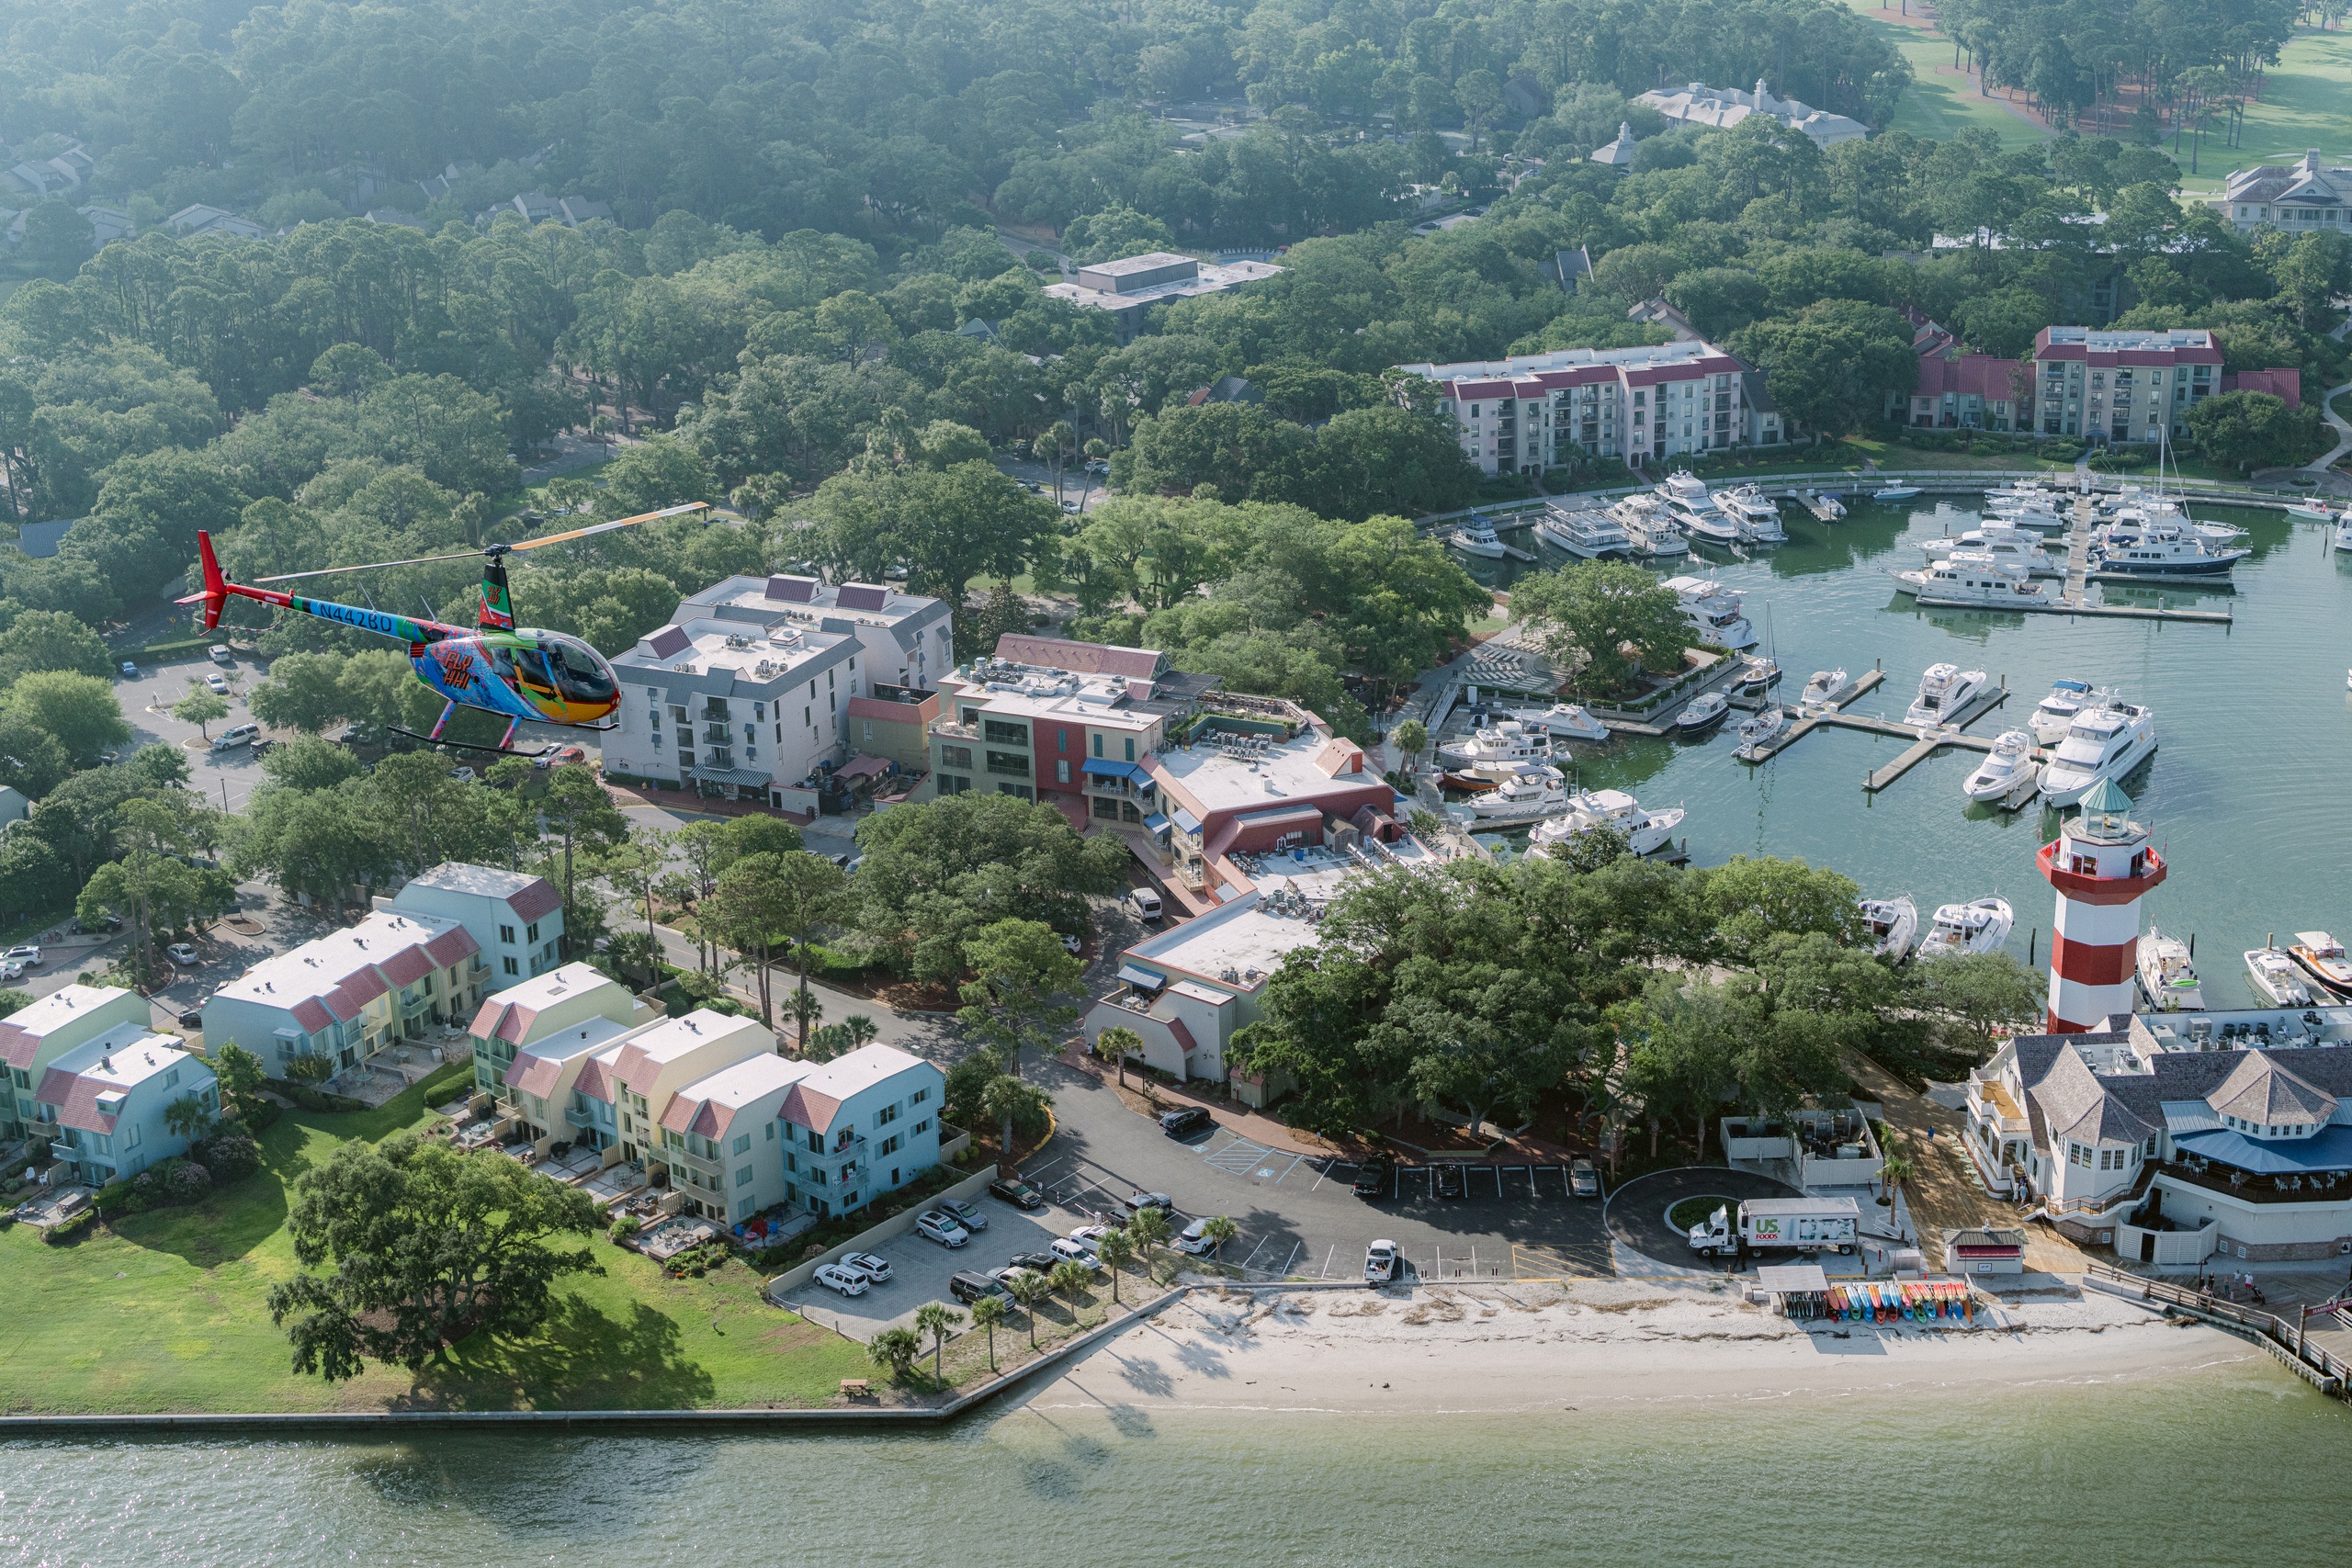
(2330, 1149)
(1186, 820)
(1140, 979)
(1108, 768)
(1156, 823)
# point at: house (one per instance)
(1618, 154)
(105, 1103)
(2286, 385)
(395, 217)
(572, 211)
(63, 172)
(15, 806)
(1573, 268)
(351, 993)
(859, 1125)
(515, 919)
(1526, 413)
(198, 219)
(513, 1021)
(534, 206)
(1226, 390)
(108, 224)
(39, 541)
(438, 185)
(757, 683)
(1128, 287)
(644, 1070)
(2300, 198)
(1959, 389)
(1723, 107)
(33, 1038)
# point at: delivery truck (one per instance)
(1778, 1225)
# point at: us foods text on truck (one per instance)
(1779, 1225)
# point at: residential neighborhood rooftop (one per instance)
(341, 969)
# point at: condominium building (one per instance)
(2302, 198)
(861, 1125)
(351, 993)
(530, 1042)
(516, 918)
(2128, 386)
(1128, 287)
(104, 1106)
(33, 1038)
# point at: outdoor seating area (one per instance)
(53, 1205)
(2285, 1187)
(668, 1239)
(613, 1186)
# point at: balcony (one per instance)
(953, 730)
(63, 1152)
(849, 1154)
(692, 1161)
(582, 1116)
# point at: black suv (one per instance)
(1181, 1123)
(1373, 1177)
(1451, 1181)
(967, 1287)
(1020, 1194)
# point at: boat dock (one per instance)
(1801, 721)
(1925, 741)
(1825, 509)
(2072, 600)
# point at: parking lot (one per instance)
(920, 1270)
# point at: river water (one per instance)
(2248, 794)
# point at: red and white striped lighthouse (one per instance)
(2102, 866)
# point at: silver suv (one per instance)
(933, 1225)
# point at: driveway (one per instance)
(1637, 1210)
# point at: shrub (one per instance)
(229, 1155)
(623, 1228)
(67, 1231)
(185, 1181)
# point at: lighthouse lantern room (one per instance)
(2102, 865)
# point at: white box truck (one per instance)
(1778, 1225)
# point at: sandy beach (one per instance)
(1593, 1345)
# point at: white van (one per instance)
(1145, 904)
(235, 736)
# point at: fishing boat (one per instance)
(2320, 957)
(2056, 714)
(2104, 742)
(1824, 505)
(1530, 794)
(2007, 544)
(2311, 510)
(1758, 517)
(1505, 744)
(1649, 528)
(1563, 721)
(1646, 832)
(1971, 577)
(2167, 973)
(1695, 511)
(1894, 926)
(2274, 977)
(1820, 687)
(1981, 925)
(1476, 537)
(2008, 773)
(1945, 690)
(1585, 533)
(1765, 726)
(1895, 491)
(1702, 714)
(1713, 611)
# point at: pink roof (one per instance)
(2285, 384)
(77, 1098)
(1079, 657)
(16, 1047)
(1977, 374)
(1470, 391)
(807, 1107)
(533, 903)
(535, 1075)
(407, 966)
(701, 1116)
(1339, 756)
(312, 1015)
(594, 1081)
(1183, 1035)
(451, 947)
(488, 1021)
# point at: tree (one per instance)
(1410, 738)
(1149, 1230)
(51, 639)
(938, 1320)
(241, 1077)
(1070, 1278)
(578, 811)
(1011, 1104)
(58, 238)
(80, 711)
(1021, 971)
(1979, 992)
(1894, 1170)
(766, 898)
(987, 1313)
(425, 1245)
(1756, 898)
(2248, 430)
(1833, 366)
(1216, 1230)
(1115, 1044)
(1116, 1250)
(304, 691)
(200, 708)
(152, 880)
(187, 1116)
(894, 1350)
(1604, 619)
(1029, 1287)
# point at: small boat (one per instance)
(2167, 974)
(1562, 721)
(1971, 577)
(1646, 832)
(1822, 685)
(1586, 534)
(1896, 492)
(2275, 978)
(1476, 537)
(1703, 713)
(1694, 509)
(2008, 771)
(1506, 743)
(1981, 925)
(1758, 517)
(1756, 676)
(2321, 958)
(1713, 611)
(1469, 783)
(2104, 742)
(2310, 512)
(2056, 714)
(1945, 690)
(1827, 507)
(1894, 926)
(1766, 725)
(1530, 795)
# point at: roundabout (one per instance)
(1637, 1212)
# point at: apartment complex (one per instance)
(1532, 411)
(1128, 287)
(351, 993)
(757, 683)
(516, 919)
(2134, 386)
(104, 1104)
(33, 1038)
(2302, 198)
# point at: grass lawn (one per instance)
(167, 1312)
(1939, 104)
(2302, 107)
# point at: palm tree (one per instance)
(1029, 1287)
(858, 1030)
(1071, 1277)
(936, 1319)
(1893, 1173)
(1116, 1251)
(896, 1349)
(1149, 1230)
(1003, 1102)
(987, 1313)
(1217, 1231)
(1118, 1042)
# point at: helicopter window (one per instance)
(579, 673)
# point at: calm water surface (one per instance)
(2248, 794)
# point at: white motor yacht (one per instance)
(1971, 577)
(2168, 976)
(1476, 537)
(1767, 723)
(1824, 505)
(1981, 925)
(1713, 611)
(2321, 958)
(2133, 546)
(1650, 527)
(1585, 533)
(1701, 713)
(1822, 685)
(1695, 511)
(1894, 926)
(1896, 490)
(2275, 978)
(1758, 517)
(1646, 832)
(2056, 714)
(2343, 530)
(2005, 542)
(1502, 745)
(1945, 690)
(1531, 793)
(1563, 721)
(2040, 519)
(2008, 773)
(2104, 742)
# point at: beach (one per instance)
(1592, 1345)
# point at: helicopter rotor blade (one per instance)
(371, 566)
(572, 534)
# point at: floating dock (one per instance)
(1925, 741)
(1802, 721)
(2072, 600)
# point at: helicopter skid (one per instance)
(500, 750)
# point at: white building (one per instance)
(349, 994)
(104, 1105)
(33, 1037)
(2299, 197)
(1723, 107)
(1618, 154)
(1130, 287)
(516, 919)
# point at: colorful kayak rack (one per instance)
(1901, 1301)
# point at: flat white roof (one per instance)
(123, 1056)
(320, 967)
(1279, 775)
(62, 1007)
(713, 645)
(1239, 937)
(745, 1081)
(542, 991)
(577, 1039)
(457, 876)
(861, 1069)
(1518, 365)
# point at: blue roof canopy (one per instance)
(1110, 768)
(2330, 1149)
(1141, 979)
(1156, 823)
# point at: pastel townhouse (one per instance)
(516, 918)
(104, 1104)
(34, 1037)
(720, 1137)
(858, 1125)
(532, 1042)
(658, 1061)
(351, 993)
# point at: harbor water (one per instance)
(2245, 795)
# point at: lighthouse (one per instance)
(2102, 865)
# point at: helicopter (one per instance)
(515, 673)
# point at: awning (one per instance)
(1140, 979)
(729, 776)
(1792, 1278)
(1186, 820)
(2330, 1149)
(1156, 823)
(1110, 768)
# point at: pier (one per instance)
(1925, 741)
(2071, 600)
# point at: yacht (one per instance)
(1476, 537)
(1694, 510)
(1702, 714)
(1766, 724)
(1981, 925)
(1502, 745)
(1971, 577)
(1713, 611)
(1823, 685)
(2007, 544)
(1758, 519)
(2275, 978)
(1587, 535)
(2322, 957)
(2041, 519)
(2133, 545)
(2104, 742)
(1649, 528)
(1945, 690)
(1531, 793)
(1894, 926)
(2008, 773)
(2055, 714)
(1895, 491)
(1646, 832)
(2343, 530)
(1563, 721)
(2167, 976)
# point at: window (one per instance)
(743, 1176)
(816, 1141)
(506, 935)
(919, 1096)
(771, 1130)
(918, 1129)
(1131, 748)
(531, 931)
(742, 1146)
(1061, 770)
(512, 968)
(885, 1116)
(889, 1145)
(1098, 744)
(172, 1078)
(1004, 733)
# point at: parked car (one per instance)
(12, 969)
(1144, 905)
(1038, 1262)
(1374, 1178)
(219, 653)
(873, 1266)
(192, 1020)
(1020, 1194)
(933, 1225)
(264, 747)
(236, 735)
(966, 1215)
(1380, 1263)
(217, 683)
(30, 952)
(1183, 1124)
(104, 923)
(181, 952)
(967, 1287)
(1583, 1179)
(1087, 1235)
(1137, 1202)
(1010, 1272)
(1451, 1181)
(462, 773)
(130, 670)
(572, 754)
(1070, 945)
(848, 1281)
(1194, 1239)
(1068, 1251)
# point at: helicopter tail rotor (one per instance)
(216, 587)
